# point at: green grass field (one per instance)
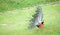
(16, 21)
(19, 4)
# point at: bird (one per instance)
(37, 20)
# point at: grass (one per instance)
(13, 4)
(16, 22)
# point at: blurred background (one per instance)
(15, 16)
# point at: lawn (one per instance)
(16, 22)
(19, 4)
